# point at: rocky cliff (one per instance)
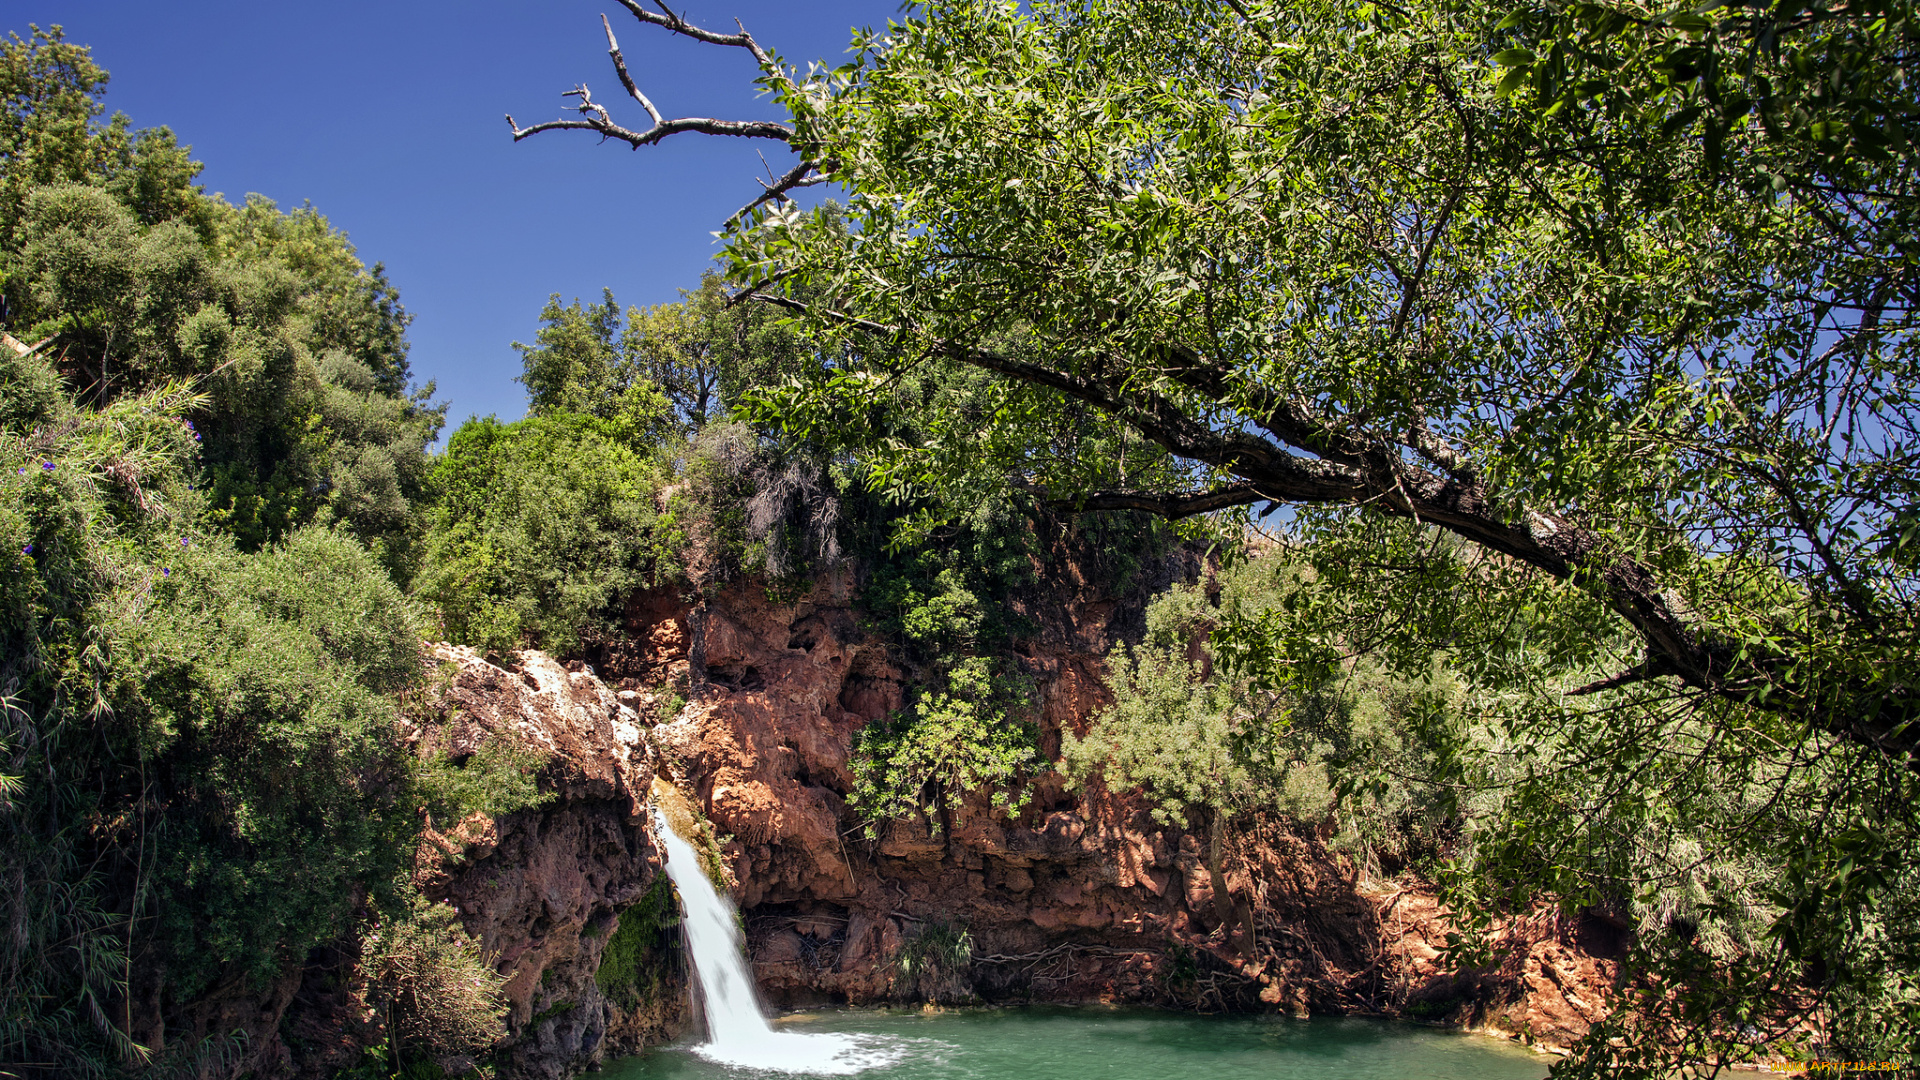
(542, 890)
(1080, 897)
(748, 706)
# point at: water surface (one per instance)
(1059, 1043)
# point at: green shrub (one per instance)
(1207, 741)
(202, 739)
(500, 777)
(937, 949)
(963, 738)
(439, 994)
(541, 527)
(933, 961)
(260, 686)
(297, 345)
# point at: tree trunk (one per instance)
(1222, 904)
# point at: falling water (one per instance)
(737, 1031)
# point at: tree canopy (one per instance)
(1577, 340)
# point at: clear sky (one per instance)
(389, 117)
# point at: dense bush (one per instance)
(969, 728)
(968, 733)
(439, 993)
(1214, 745)
(625, 475)
(542, 526)
(260, 684)
(211, 473)
(117, 264)
(207, 776)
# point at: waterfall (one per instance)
(738, 1033)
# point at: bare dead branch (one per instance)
(626, 80)
(588, 105)
(804, 175)
(666, 17)
(22, 349)
(598, 119)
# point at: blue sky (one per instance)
(389, 117)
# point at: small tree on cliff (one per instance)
(699, 354)
(1171, 732)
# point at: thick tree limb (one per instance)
(1171, 506)
(1291, 422)
(1281, 474)
(1351, 468)
(1638, 673)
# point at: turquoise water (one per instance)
(1123, 1044)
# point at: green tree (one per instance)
(49, 103)
(117, 265)
(540, 527)
(681, 348)
(965, 736)
(576, 364)
(1316, 253)
(1184, 739)
(296, 343)
(703, 353)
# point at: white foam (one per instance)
(815, 1054)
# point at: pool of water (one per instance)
(1055, 1043)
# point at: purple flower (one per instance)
(47, 465)
(28, 550)
(164, 572)
(183, 542)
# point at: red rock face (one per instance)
(541, 889)
(1080, 897)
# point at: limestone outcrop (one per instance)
(749, 704)
(542, 889)
(1082, 896)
